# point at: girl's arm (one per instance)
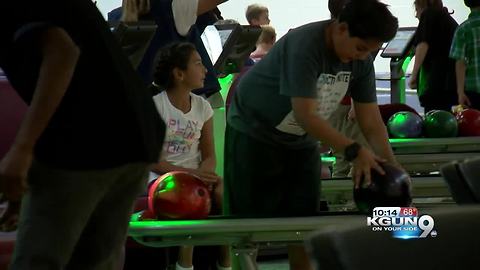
(420, 53)
(206, 169)
(207, 147)
(207, 166)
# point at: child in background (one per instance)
(257, 15)
(466, 50)
(264, 43)
(189, 144)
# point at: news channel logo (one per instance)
(403, 222)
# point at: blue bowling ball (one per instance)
(405, 125)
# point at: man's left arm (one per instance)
(372, 126)
(59, 55)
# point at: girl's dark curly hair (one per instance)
(175, 55)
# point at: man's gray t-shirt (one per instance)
(299, 65)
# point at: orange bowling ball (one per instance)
(179, 195)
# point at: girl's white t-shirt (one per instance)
(183, 131)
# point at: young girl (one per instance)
(433, 73)
(189, 142)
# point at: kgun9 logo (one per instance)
(403, 222)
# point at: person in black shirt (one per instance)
(177, 20)
(433, 74)
(88, 138)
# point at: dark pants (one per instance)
(438, 102)
(265, 180)
(474, 99)
(76, 219)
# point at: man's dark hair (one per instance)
(335, 7)
(472, 3)
(369, 19)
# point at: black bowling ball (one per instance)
(391, 190)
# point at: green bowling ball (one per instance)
(430, 112)
(440, 124)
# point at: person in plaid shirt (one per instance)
(466, 50)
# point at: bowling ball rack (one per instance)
(423, 156)
(244, 235)
(430, 191)
(422, 159)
